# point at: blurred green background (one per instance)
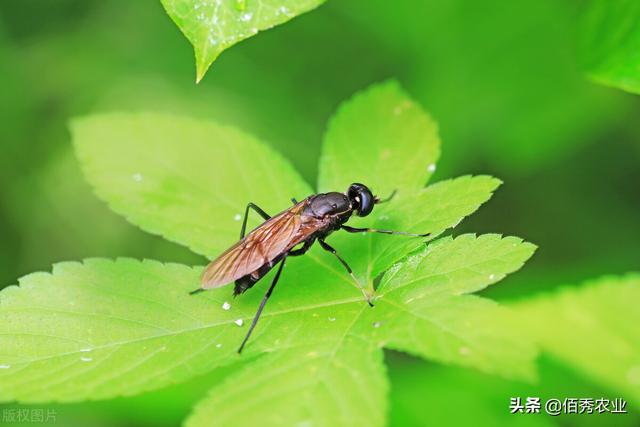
(501, 78)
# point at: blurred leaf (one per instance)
(380, 137)
(508, 93)
(163, 174)
(214, 25)
(462, 397)
(611, 43)
(593, 328)
(456, 397)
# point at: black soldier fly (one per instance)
(306, 222)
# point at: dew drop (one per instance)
(226, 306)
(283, 10)
(237, 217)
(218, 345)
(492, 276)
(5, 366)
(213, 42)
(86, 350)
(246, 17)
(86, 359)
(239, 322)
(137, 177)
(332, 319)
(432, 167)
(376, 324)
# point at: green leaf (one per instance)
(215, 25)
(102, 329)
(346, 386)
(611, 43)
(430, 315)
(189, 180)
(592, 328)
(428, 210)
(186, 179)
(339, 380)
(381, 138)
(123, 327)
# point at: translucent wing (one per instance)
(259, 247)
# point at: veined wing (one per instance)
(259, 247)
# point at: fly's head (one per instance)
(361, 198)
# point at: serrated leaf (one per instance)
(103, 329)
(592, 328)
(381, 138)
(335, 384)
(188, 180)
(346, 386)
(120, 328)
(430, 314)
(611, 42)
(430, 210)
(144, 331)
(215, 25)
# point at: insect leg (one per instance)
(256, 208)
(262, 304)
(294, 201)
(329, 248)
(303, 250)
(374, 230)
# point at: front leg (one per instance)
(303, 250)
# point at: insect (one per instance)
(276, 239)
